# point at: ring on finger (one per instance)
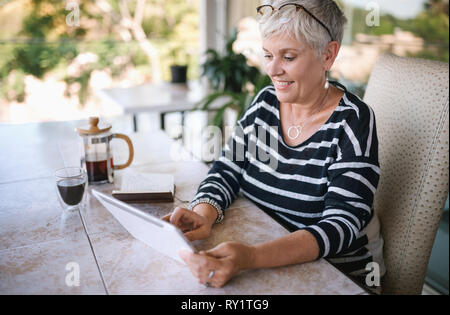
(210, 275)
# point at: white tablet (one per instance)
(158, 234)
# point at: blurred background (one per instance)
(56, 55)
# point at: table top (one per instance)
(155, 97)
(39, 243)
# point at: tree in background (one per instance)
(437, 6)
(129, 25)
(119, 33)
(431, 24)
(31, 54)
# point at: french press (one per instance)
(97, 157)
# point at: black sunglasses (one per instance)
(262, 11)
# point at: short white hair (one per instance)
(305, 28)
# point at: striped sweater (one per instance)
(325, 185)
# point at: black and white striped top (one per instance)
(325, 185)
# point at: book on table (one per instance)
(136, 187)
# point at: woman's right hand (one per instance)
(193, 225)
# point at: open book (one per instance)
(145, 187)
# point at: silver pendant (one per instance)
(298, 130)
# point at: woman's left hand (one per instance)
(226, 260)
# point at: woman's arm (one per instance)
(222, 183)
(207, 211)
(295, 248)
(229, 258)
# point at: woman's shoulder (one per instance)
(266, 94)
(358, 125)
(353, 109)
(265, 100)
(266, 97)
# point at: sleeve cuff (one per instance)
(319, 239)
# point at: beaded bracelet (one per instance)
(213, 203)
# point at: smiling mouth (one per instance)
(282, 84)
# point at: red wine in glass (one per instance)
(71, 190)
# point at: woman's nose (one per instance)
(274, 68)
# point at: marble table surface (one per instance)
(40, 244)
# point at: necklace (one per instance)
(298, 129)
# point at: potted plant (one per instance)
(179, 64)
(231, 78)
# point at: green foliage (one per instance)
(440, 54)
(178, 54)
(6, 59)
(238, 101)
(47, 45)
(229, 72)
(14, 87)
(107, 51)
(35, 55)
(232, 78)
(173, 27)
(388, 23)
(39, 58)
(163, 17)
(432, 24)
(432, 27)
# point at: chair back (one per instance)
(410, 98)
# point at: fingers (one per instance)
(195, 262)
(184, 218)
(191, 258)
(197, 234)
(167, 217)
(203, 267)
(176, 216)
(190, 223)
(220, 251)
(185, 255)
(170, 217)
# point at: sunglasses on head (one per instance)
(264, 12)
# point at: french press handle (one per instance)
(130, 150)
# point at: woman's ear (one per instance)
(329, 55)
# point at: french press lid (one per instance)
(95, 127)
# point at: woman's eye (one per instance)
(287, 58)
(267, 56)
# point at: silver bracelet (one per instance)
(211, 202)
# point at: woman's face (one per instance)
(296, 71)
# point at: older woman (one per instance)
(326, 172)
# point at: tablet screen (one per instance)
(158, 234)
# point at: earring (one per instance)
(327, 82)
